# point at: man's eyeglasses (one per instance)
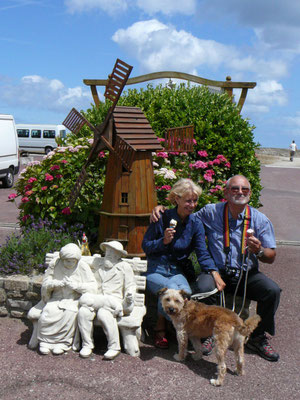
(236, 189)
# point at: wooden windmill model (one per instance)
(129, 190)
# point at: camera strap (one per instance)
(226, 233)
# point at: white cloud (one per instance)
(37, 92)
(264, 95)
(168, 7)
(109, 6)
(159, 47)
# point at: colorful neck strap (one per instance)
(246, 226)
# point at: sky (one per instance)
(47, 48)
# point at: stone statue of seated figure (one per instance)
(114, 299)
(54, 318)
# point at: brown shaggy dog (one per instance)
(193, 321)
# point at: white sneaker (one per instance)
(111, 354)
(85, 352)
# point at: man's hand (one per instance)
(154, 217)
(254, 246)
(218, 280)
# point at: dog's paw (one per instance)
(215, 382)
(177, 357)
(239, 372)
(196, 356)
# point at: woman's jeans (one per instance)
(165, 276)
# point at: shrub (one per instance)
(25, 253)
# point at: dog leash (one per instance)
(222, 296)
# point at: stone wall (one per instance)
(18, 294)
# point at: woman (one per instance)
(66, 279)
(167, 248)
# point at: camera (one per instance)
(232, 273)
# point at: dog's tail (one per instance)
(249, 325)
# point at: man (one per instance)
(224, 226)
(293, 148)
(115, 297)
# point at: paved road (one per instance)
(155, 375)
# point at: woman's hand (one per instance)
(169, 235)
(218, 280)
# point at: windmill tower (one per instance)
(129, 190)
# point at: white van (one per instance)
(39, 138)
(9, 153)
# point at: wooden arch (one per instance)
(227, 85)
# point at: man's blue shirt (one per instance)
(212, 218)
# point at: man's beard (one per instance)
(239, 200)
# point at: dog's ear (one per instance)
(162, 291)
(185, 295)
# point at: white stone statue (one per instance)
(55, 317)
(115, 298)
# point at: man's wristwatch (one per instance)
(261, 253)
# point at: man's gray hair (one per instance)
(227, 185)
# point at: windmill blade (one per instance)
(75, 121)
(78, 185)
(117, 81)
(125, 152)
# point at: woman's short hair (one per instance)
(182, 187)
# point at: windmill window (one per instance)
(124, 198)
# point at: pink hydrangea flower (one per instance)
(162, 154)
(58, 176)
(101, 154)
(31, 180)
(54, 167)
(194, 141)
(24, 199)
(198, 164)
(64, 161)
(29, 192)
(166, 187)
(44, 187)
(48, 177)
(161, 139)
(208, 177)
(202, 153)
(228, 165)
(28, 187)
(221, 158)
(66, 211)
(12, 196)
(25, 218)
(216, 161)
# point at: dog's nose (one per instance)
(171, 310)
